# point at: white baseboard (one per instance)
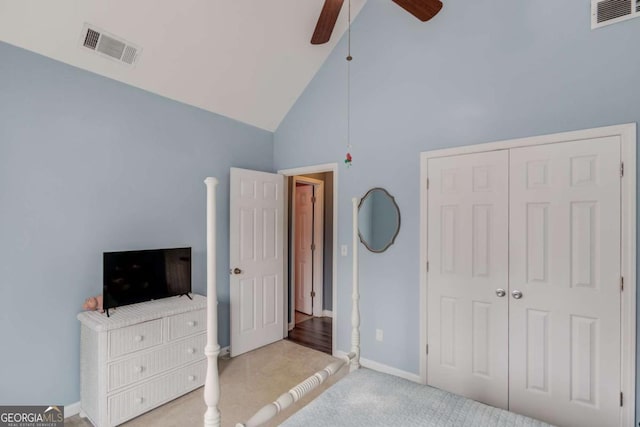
(327, 313)
(71, 410)
(385, 369)
(292, 325)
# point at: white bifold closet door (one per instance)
(468, 255)
(564, 257)
(542, 223)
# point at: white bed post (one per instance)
(355, 310)
(212, 350)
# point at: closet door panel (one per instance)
(564, 258)
(468, 261)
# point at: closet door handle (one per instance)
(501, 292)
(516, 294)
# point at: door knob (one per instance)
(516, 294)
(501, 292)
(235, 271)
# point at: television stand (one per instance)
(140, 357)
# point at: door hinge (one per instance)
(621, 169)
(427, 348)
(621, 399)
(621, 283)
(313, 294)
(313, 246)
(313, 199)
(427, 183)
(427, 266)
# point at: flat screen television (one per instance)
(137, 276)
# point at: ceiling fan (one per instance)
(421, 9)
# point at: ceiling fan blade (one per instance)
(421, 9)
(326, 21)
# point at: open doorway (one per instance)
(306, 231)
(311, 256)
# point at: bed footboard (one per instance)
(287, 399)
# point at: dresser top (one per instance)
(128, 315)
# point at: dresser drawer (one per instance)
(136, 368)
(182, 325)
(135, 401)
(133, 338)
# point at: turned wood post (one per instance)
(212, 349)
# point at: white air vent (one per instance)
(108, 45)
(607, 12)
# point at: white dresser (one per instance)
(141, 357)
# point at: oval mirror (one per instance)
(378, 220)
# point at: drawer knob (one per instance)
(191, 323)
(139, 400)
(191, 350)
(138, 338)
(191, 377)
(138, 369)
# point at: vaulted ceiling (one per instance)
(244, 59)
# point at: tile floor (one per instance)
(247, 383)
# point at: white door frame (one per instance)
(318, 238)
(305, 170)
(627, 137)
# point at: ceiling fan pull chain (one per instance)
(349, 58)
(348, 158)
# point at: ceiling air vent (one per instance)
(91, 39)
(607, 12)
(109, 46)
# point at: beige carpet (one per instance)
(247, 383)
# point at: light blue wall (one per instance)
(479, 72)
(88, 165)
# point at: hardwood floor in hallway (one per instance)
(314, 333)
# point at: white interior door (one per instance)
(468, 258)
(564, 352)
(303, 248)
(256, 235)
